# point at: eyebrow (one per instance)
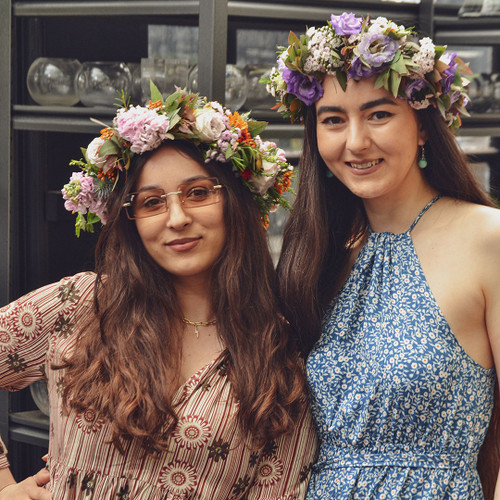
(185, 181)
(363, 107)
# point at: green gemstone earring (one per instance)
(422, 162)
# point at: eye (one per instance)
(380, 115)
(151, 203)
(332, 120)
(198, 193)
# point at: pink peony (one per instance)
(144, 128)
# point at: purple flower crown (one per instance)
(353, 47)
(221, 135)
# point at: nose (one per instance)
(177, 217)
(357, 137)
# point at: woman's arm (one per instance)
(490, 258)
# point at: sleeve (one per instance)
(26, 327)
(4, 462)
(284, 468)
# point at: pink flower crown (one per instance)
(353, 47)
(219, 134)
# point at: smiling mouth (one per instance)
(182, 241)
(364, 166)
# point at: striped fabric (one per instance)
(207, 457)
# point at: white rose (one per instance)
(262, 183)
(209, 124)
(102, 162)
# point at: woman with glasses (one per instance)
(390, 268)
(170, 372)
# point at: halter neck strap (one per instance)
(419, 216)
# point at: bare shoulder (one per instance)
(479, 227)
(475, 221)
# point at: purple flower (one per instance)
(413, 87)
(306, 88)
(358, 70)
(448, 73)
(286, 73)
(346, 24)
(377, 49)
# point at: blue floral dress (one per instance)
(401, 409)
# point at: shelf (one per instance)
(108, 8)
(319, 10)
(31, 427)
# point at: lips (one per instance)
(364, 165)
(183, 244)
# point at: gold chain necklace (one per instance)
(196, 324)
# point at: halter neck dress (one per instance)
(400, 408)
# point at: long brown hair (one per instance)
(137, 317)
(327, 218)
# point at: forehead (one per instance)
(356, 94)
(167, 168)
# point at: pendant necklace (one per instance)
(196, 324)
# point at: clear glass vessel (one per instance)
(99, 83)
(236, 86)
(51, 81)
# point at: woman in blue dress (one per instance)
(390, 268)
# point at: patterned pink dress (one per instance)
(207, 457)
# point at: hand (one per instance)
(29, 489)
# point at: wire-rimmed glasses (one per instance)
(150, 202)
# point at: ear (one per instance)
(422, 135)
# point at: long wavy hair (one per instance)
(137, 317)
(327, 219)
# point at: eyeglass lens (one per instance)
(197, 193)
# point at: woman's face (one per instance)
(186, 242)
(368, 139)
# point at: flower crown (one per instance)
(219, 134)
(353, 47)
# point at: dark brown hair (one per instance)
(137, 316)
(313, 259)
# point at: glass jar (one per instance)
(40, 396)
(99, 83)
(258, 96)
(236, 86)
(51, 81)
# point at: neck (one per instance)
(396, 214)
(194, 299)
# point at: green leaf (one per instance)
(292, 38)
(398, 64)
(256, 127)
(382, 80)
(341, 78)
(395, 80)
(155, 93)
(109, 148)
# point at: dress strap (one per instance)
(429, 205)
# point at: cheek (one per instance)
(328, 148)
(147, 229)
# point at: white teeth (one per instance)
(363, 166)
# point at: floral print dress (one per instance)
(401, 409)
(207, 457)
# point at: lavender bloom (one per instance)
(346, 24)
(413, 87)
(377, 49)
(286, 73)
(358, 70)
(306, 88)
(449, 73)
